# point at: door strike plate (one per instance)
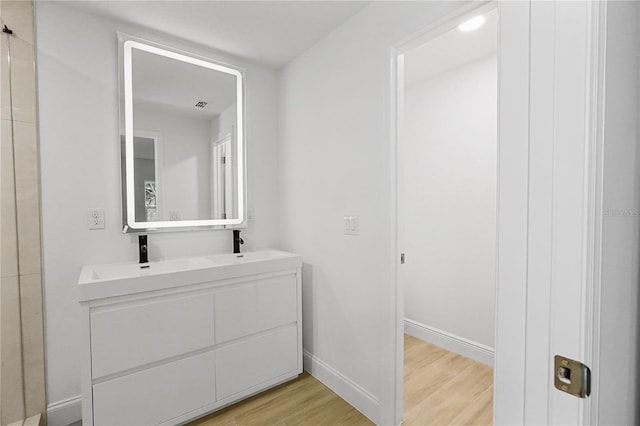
(572, 377)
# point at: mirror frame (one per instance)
(126, 44)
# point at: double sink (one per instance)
(101, 281)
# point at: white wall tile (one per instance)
(5, 89)
(8, 226)
(18, 16)
(23, 88)
(11, 386)
(27, 197)
(22, 372)
(33, 344)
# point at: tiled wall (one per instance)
(22, 375)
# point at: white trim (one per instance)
(65, 412)
(347, 389)
(393, 392)
(158, 170)
(451, 342)
(595, 206)
(513, 190)
(217, 145)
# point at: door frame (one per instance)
(512, 252)
(158, 153)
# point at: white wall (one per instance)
(335, 124)
(80, 160)
(450, 154)
(222, 123)
(185, 185)
(618, 376)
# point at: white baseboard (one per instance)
(450, 342)
(65, 412)
(351, 392)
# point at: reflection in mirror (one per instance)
(145, 179)
(183, 144)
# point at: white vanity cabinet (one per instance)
(164, 346)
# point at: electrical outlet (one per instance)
(95, 218)
(352, 225)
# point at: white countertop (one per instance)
(102, 281)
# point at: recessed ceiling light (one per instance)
(472, 24)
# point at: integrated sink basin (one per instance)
(101, 281)
(248, 257)
(128, 270)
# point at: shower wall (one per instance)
(22, 375)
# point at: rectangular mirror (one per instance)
(183, 142)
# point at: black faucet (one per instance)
(142, 249)
(237, 241)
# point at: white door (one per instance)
(552, 89)
(220, 177)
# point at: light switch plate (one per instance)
(352, 225)
(95, 218)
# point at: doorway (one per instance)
(447, 186)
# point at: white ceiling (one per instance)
(452, 49)
(268, 32)
(177, 86)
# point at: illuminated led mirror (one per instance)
(183, 139)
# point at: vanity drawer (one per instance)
(157, 394)
(137, 334)
(259, 306)
(255, 361)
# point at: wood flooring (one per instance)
(304, 401)
(441, 388)
(444, 388)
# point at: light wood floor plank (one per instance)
(441, 388)
(449, 390)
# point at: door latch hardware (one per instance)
(572, 377)
(402, 258)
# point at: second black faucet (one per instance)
(142, 249)
(237, 241)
